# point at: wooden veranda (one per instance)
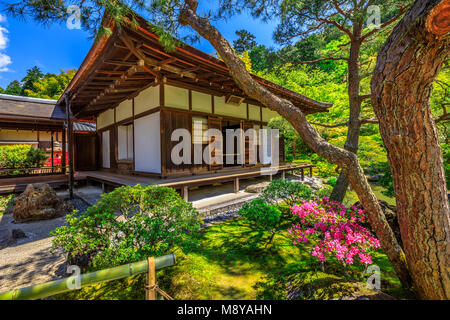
(184, 183)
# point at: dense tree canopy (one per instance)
(39, 85)
(245, 42)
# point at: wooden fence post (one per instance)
(151, 280)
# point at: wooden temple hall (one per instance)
(139, 94)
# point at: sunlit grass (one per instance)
(231, 262)
(351, 197)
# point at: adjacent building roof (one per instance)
(81, 126)
(131, 59)
(26, 112)
(30, 107)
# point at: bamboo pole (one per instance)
(63, 285)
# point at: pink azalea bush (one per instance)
(337, 231)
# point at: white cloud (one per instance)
(3, 38)
(5, 60)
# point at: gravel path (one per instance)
(28, 261)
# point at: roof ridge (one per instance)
(26, 99)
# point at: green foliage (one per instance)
(263, 59)
(332, 181)
(28, 82)
(14, 88)
(38, 85)
(288, 192)
(128, 225)
(6, 202)
(387, 182)
(244, 42)
(21, 156)
(446, 154)
(51, 86)
(231, 263)
(267, 212)
(264, 216)
(324, 192)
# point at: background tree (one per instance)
(301, 19)
(14, 88)
(33, 76)
(407, 66)
(38, 85)
(245, 42)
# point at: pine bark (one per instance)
(407, 65)
(343, 158)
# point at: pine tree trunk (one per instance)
(354, 124)
(401, 86)
(343, 158)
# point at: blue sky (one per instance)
(24, 44)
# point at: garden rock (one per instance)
(390, 212)
(39, 202)
(257, 188)
(18, 234)
(375, 178)
(315, 183)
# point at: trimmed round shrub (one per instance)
(127, 225)
(289, 192)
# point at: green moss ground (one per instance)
(351, 197)
(232, 263)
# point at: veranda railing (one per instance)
(22, 172)
(149, 266)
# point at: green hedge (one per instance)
(21, 156)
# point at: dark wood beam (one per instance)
(70, 144)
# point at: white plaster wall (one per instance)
(224, 109)
(147, 143)
(21, 135)
(124, 110)
(105, 149)
(268, 114)
(254, 112)
(125, 142)
(175, 97)
(105, 118)
(201, 102)
(146, 100)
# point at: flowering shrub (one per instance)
(335, 230)
(127, 225)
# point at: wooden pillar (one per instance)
(63, 151)
(293, 147)
(70, 144)
(283, 175)
(185, 193)
(53, 153)
(270, 177)
(303, 174)
(236, 185)
(311, 171)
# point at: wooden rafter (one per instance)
(150, 61)
(110, 90)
